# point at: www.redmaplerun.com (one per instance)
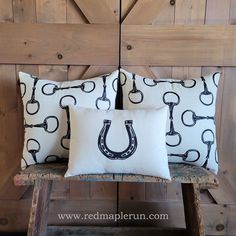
(113, 217)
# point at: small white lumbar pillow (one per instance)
(190, 130)
(46, 112)
(116, 141)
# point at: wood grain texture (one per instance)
(74, 14)
(201, 45)
(6, 13)
(42, 43)
(39, 208)
(9, 162)
(217, 11)
(118, 231)
(147, 12)
(108, 11)
(24, 11)
(180, 173)
(51, 11)
(193, 214)
(190, 11)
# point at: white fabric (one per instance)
(185, 97)
(91, 152)
(44, 99)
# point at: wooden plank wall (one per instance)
(219, 205)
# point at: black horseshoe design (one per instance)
(32, 100)
(195, 118)
(33, 152)
(66, 108)
(181, 82)
(208, 143)
(129, 151)
(185, 156)
(206, 92)
(135, 91)
(103, 98)
(44, 125)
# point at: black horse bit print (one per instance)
(214, 80)
(181, 82)
(33, 151)
(66, 108)
(206, 94)
(103, 98)
(135, 91)
(55, 158)
(122, 81)
(26, 164)
(45, 124)
(50, 88)
(192, 155)
(194, 118)
(22, 88)
(129, 151)
(208, 141)
(216, 156)
(171, 106)
(33, 101)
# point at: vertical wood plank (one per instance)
(186, 12)
(39, 208)
(51, 11)
(193, 214)
(151, 12)
(217, 12)
(190, 12)
(9, 129)
(24, 11)
(6, 13)
(220, 12)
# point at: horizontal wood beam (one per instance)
(219, 219)
(178, 45)
(118, 231)
(73, 44)
(180, 173)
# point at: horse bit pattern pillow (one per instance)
(190, 131)
(46, 112)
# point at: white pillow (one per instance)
(118, 141)
(190, 130)
(46, 114)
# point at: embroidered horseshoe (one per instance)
(132, 146)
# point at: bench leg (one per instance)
(39, 208)
(193, 215)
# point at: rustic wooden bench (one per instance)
(192, 178)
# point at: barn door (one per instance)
(137, 34)
(63, 58)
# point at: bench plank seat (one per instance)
(180, 173)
